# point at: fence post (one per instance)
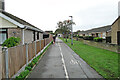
(26, 45)
(35, 49)
(5, 49)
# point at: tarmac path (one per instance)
(60, 61)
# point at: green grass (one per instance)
(103, 61)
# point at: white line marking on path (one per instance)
(73, 61)
(65, 69)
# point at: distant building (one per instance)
(97, 32)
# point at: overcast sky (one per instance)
(45, 14)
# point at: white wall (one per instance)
(6, 24)
(28, 36)
(40, 36)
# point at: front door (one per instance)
(118, 37)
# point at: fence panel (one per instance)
(22, 56)
(11, 62)
(17, 56)
(33, 47)
(0, 65)
(16, 59)
(42, 44)
(38, 47)
(3, 65)
(30, 51)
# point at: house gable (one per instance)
(115, 29)
(11, 20)
(6, 24)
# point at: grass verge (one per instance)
(30, 66)
(103, 61)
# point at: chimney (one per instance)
(2, 5)
(118, 8)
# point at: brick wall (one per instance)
(114, 31)
(15, 32)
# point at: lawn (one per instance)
(103, 61)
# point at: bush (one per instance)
(31, 64)
(88, 38)
(98, 39)
(74, 36)
(28, 68)
(22, 75)
(80, 36)
(11, 42)
(19, 78)
(35, 60)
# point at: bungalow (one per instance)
(11, 25)
(97, 32)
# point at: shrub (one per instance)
(11, 42)
(22, 75)
(35, 60)
(88, 38)
(80, 36)
(19, 78)
(74, 36)
(28, 68)
(98, 39)
(31, 64)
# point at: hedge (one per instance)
(98, 39)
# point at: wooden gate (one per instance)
(118, 37)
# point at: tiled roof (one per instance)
(100, 29)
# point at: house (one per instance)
(12, 26)
(97, 32)
(115, 32)
(82, 33)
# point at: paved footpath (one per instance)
(60, 61)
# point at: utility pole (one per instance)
(71, 30)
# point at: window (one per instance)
(3, 35)
(37, 35)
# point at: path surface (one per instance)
(60, 61)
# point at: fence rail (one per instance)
(19, 56)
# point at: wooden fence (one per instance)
(18, 56)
